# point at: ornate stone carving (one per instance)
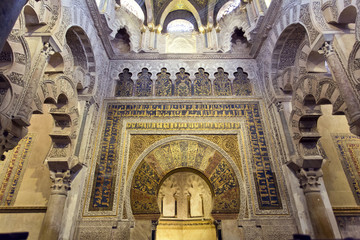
(309, 179)
(60, 182)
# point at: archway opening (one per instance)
(185, 198)
(121, 42)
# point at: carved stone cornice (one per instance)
(158, 56)
(60, 182)
(309, 179)
(327, 49)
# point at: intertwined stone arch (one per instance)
(310, 92)
(59, 91)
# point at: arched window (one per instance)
(180, 25)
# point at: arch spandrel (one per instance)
(176, 155)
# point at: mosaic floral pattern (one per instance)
(143, 84)
(222, 84)
(202, 84)
(163, 84)
(125, 86)
(182, 84)
(241, 84)
(14, 172)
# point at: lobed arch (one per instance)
(143, 160)
(60, 93)
(133, 27)
(310, 92)
(229, 24)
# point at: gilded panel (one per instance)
(15, 170)
(163, 84)
(178, 154)
(202, 84)
(348, 147)
(106, 169)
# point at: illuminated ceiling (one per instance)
(198, 12)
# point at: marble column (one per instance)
(52, 221)
(344, 86)
(284, 123)
(309, 181)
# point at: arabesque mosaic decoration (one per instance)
(222, 84)
(125, 86)
(184, 154)
(202, 84)
(102, 195)
(183, 85)
(163, 84)
(348, 147)
(14, 171)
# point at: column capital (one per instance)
(47, 50)
(327, 49)
(279, 106)
(61, 181)
(309, 179)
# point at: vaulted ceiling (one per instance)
(198, 12)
